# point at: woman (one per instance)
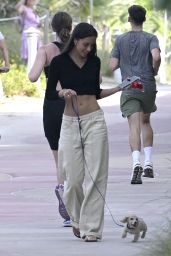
(53, 110)
(83, 144)
(28, 19)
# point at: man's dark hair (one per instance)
(137, 14)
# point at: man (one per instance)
(4, 50)
(137, 53)
(6, 66)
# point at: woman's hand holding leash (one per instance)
(67, 93)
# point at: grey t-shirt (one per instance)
(133, 49)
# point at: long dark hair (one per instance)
(81, 31)
(62, 25)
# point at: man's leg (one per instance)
(134, 131)
(135, 145)
(147, 136)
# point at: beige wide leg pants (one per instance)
(85, 171)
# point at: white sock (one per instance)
(147, 153)
(136, 157)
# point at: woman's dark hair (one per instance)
(137, 13)
(81, 31)
(62, 25)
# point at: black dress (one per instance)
(52, 115)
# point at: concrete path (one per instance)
(29, 221)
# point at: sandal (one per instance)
(76, 232)
(90, 238)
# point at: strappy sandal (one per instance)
(76, 232)
(90, 238)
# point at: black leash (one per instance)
(75, 109)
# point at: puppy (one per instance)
(134, 226)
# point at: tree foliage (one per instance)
(7, 8)
(163, 5)
(112, 13)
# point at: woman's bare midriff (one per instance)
(83, 104)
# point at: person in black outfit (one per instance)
(83, 143)
(53, 110)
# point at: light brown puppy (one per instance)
(134, 226)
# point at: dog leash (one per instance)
(75, 109)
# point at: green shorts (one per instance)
(131, 103)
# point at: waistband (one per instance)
(91, 115)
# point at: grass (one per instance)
(162, 246)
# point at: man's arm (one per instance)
(114, 64)
(4, 50)
(156, 60)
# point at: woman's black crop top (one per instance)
(46, 69)
(85, 80)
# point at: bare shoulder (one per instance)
(42, 49)
(52, 47)
(51, 51)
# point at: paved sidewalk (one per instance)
(29, 221)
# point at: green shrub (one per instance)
(13, 38)
(16, 82)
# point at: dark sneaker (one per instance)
(67, 223)
(148, 171)
(136, 176)
(62, 209)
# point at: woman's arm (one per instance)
(38, 65)
(108, 92)
(20, 6)
(126, 84)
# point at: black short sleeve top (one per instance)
(85, 80)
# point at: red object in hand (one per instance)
(137, 85)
